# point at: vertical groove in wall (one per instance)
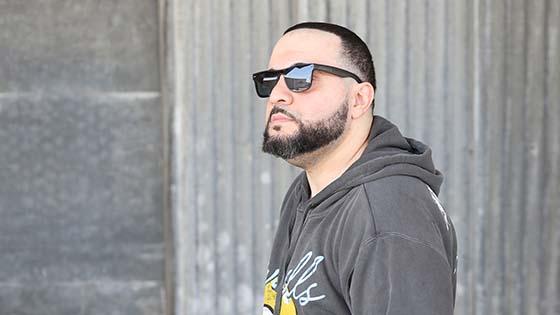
(524, 165)
(214, 173)
(180, 146)
(193, 159)
(552, 204)
(505, 203)
(476, 227)
(535, 95)
(545, 210)
(189, 119)
(256, 189)
(427, 44)
(446, 86)
(407, 64)
(168, 228)
(235, 209)
(505, 195)
(388, 58)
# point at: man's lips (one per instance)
(277, 118)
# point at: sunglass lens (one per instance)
(265, 82)
(299, 78)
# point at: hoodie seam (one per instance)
(371, 207)
(379, 236)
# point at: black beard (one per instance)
(308, 138)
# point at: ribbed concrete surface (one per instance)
(477, 80)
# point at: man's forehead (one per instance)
(305, 45)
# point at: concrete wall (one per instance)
(80, 158)
(126, 125)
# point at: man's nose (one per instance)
(281, 94)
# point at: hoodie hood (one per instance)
(388, 153)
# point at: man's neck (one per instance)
(335, 160)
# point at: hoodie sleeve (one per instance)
(395, 274)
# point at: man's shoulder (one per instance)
(399, 195)
(405, 205)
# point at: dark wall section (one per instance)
(81, 228)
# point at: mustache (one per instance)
(279, 110)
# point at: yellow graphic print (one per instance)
(297, 287)
(288, 306)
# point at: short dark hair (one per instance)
(354, 49)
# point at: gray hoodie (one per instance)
(374, 241)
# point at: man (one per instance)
(361, 230)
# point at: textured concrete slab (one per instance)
(80, 190)
(87, 298)
(81, 174)
(69, 45)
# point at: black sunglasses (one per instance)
(298, 77)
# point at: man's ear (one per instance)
(362, 97)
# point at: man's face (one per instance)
(300, 123)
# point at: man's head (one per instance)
(355, 52)
(320, 85)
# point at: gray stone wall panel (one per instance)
(81, 176)
(85, 45)
(87, 298)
